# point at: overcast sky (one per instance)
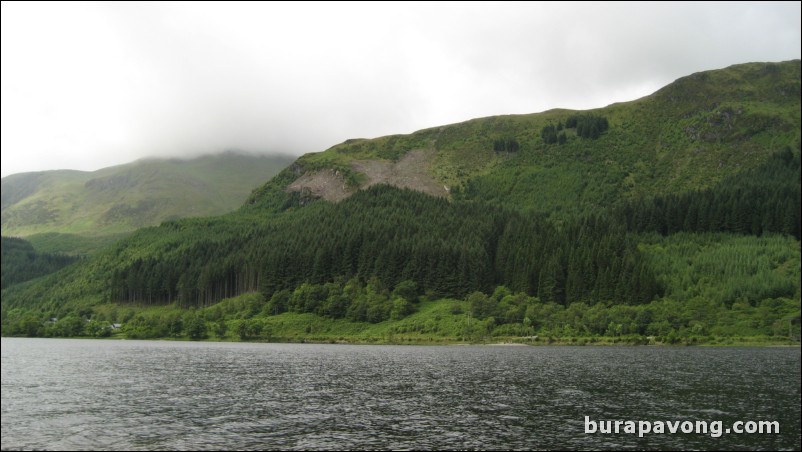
(89, 85)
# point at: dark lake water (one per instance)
(152, 395)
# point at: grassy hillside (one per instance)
(676, 217)
(690, 135)
(123, 198)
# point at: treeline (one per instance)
(716, 285)
(507, 314)
(587, 126)
(551, 134)
(21, 262)
(31, 325)
(391, 236)
(371, 302)
(480, 316)
(506, 145)
(590, 259)
(761, 200)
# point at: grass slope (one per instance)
(123, 198)
(690, 135)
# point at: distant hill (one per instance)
(123, 198)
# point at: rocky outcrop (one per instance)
(410, 171)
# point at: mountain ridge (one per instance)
(711, 110)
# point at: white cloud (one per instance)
(87, 85)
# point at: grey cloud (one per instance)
(90, 85)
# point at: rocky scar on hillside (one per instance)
(410, 171)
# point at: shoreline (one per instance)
(501, 342)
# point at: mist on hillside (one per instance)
(86, 86)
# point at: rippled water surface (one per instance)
(147, 395)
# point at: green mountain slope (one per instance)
(123, 198)
(676, 215)
(689, 135)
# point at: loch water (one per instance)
(61, 394)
